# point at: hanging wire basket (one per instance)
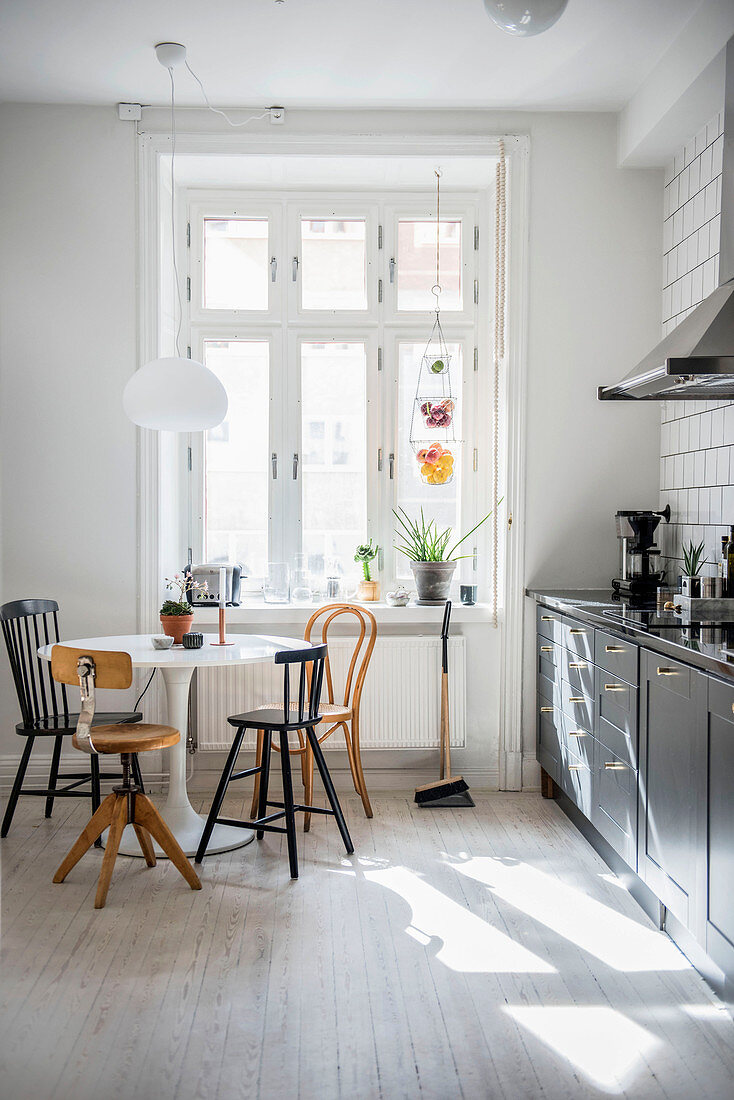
(436, 463)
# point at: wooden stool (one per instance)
(127, 804)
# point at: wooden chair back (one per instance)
(27, 625)
(311, 676)
(112, 670)
(361, 655)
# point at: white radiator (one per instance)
(401, 701)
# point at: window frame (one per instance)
(381, 326)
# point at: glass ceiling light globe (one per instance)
(175, 395)
(524, 18)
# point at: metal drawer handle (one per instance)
(547, 619)
(577, 631)
(614, 649)
(576, 699)
(577, 664)
(612, 765)
(546, 649)
(546, 710)
(667, 672)
(577, 733)
(614, 687)
(575, 767)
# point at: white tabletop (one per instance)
(247, 649)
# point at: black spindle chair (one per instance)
(44, 709)
(303, 715)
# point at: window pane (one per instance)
(417, 264)
(237, 451)
(236, 263)
(439, 502)
(334, 264)
(334, 482)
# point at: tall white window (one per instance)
(314, 311)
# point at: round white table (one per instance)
(177, 667)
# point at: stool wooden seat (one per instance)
(127, 804)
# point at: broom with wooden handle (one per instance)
(448, 790)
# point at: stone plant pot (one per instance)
(433, 580)
(368, 591)
(175, 626)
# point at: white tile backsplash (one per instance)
(696, 437)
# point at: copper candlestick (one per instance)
(222, 640)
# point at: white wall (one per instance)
(67, 346)
(68, 337)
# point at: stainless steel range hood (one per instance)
(696, 360)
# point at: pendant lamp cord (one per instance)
(217, 110)
(436, 288)
(173, 212)
(500, 267)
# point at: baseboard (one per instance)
(530, 772)
(40, 765)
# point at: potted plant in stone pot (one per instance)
(178, 615)
(693, 559)
(427, 549)
(367, 590)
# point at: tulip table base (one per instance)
(178, 813)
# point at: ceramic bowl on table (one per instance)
(162, 641)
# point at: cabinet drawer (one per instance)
(576, 780)
(614, 813)
(619, 742)
(577, 671)
(549, 651)
(549, 690)
(579, 638)
(617, 656)
(549, 739)
(577, 741)
(617, 702)
(578, 706)
(550, 624)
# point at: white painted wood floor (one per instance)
(459, 953)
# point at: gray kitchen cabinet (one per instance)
(671, 781)
(614, 810)
(716, 855)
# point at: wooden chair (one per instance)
(26, 625)
(281, 718)
(127, 804)
(343, 711)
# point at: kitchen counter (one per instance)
(701, 646)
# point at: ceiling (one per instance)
(333, 53)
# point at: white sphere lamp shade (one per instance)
(525, 18)
(175, 395)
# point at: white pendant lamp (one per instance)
(524, 18)
(174, 394)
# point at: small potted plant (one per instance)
(178, 615)
(367, 589)
(431, 560)
(693, 559)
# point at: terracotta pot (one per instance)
(175, 626)
(368, 591)
(433, 580)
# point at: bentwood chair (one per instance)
(127, 804)
(281, 718)
(26, 625)
(342, 708)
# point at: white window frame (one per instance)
(381, 326)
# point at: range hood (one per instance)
(696, 360)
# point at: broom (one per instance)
(448, 790)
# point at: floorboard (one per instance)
(472, 953)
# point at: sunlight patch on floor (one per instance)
(605, 1046)
(461, 940)
(614, 939)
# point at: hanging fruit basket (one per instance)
(436, 412)
(436, 464)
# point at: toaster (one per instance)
(209, 573)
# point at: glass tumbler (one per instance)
(276, 588)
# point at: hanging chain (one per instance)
(500, 264)
(436, 288)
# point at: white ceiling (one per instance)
(339, 53)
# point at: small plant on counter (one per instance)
(368, 590)
(693, 558)
(178, 615)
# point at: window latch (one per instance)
(295, 268)
(274, 462)
(392, 466)
(295, 466)
(392, 269)
(273, 269)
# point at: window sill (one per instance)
(258, 612)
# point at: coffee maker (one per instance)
(639, 558)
